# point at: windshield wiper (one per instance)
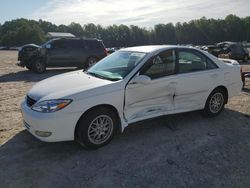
(102, 77)
(94, 74)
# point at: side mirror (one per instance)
(141, 79)
(48, 46)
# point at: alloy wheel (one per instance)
(216, 102)
(100, 129)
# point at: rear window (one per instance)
(77, 43)
(94, 44)
(59, 44)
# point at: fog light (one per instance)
(43, 133)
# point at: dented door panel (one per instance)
(192, 89)
(154, 98)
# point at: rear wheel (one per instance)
(91, 61)
(38, 66)
(96, 128)
(215, 103)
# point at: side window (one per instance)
(59, 44)
(94, 45)
(76, 44)
(161, 65)
(238, 49)
(191, 61)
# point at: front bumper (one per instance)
(59, 124)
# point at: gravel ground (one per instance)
(184, 150)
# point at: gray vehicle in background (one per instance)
(62, 52)
(234, 50)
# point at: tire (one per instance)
(91, 131)
(38, 66)
(215, 103)
(90, 62)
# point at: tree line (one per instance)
(198, 32)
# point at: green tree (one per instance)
(75, 29)
(21, 31)
(201, 31)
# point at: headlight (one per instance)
(51, 105)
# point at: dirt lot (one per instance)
(184, 150)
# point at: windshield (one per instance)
(48, 42)
(116, 66)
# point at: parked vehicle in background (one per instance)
(214, 49)
(234, 50)
(113, 49)
(62, 52)
(110, 50)
(128, 86)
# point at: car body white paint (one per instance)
(133, 102)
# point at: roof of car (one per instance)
(85, 39)
(152, 48)
(59, 35)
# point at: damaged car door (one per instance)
(197, 77)
(151, 91)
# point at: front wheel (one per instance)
(96, 128)
(38, 66)
(215, 103)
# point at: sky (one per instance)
(144, 13)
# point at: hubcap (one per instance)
(92, 61)
(100, 129)
(39, 66)
(216, 102)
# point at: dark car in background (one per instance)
(228, 49)
(214, 49)
(62, 52)
(238, 52)
(234, 50)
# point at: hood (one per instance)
(65, 85)
(30, 45)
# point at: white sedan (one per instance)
(130, 85)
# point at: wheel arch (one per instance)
(225, 91)
(118, 129)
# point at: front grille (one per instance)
(29, 101)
